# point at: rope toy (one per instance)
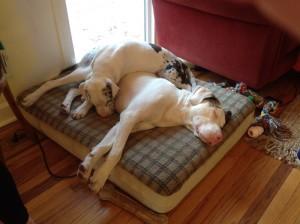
(266, 121)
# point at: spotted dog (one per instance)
(140, 109)
(101, 70)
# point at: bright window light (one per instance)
(96, 22)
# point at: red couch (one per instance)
(229, 37)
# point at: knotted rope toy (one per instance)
(273, 125)
(266, 121)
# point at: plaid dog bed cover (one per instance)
(161, 158)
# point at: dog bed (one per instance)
(159, 166)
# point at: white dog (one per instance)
(145, 102)
(103, 68)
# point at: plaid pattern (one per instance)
(161, 158)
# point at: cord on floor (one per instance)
(46, 161)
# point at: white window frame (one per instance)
(149, 21)
(64, 35)
(61, 19)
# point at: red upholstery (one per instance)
(235, 9)
(228, 37)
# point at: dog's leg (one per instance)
(66, 104)
(82, 110)
(99, 177)
(90, 161)
(76, 76)
(142, 126)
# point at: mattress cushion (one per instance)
(161, 158)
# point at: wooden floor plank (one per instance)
(266, 195)
(291, 210)
(107, 215)
(212, 199)
(44, 175)
(281, 200)
(134, 220)
(92, 213)
(74, 211)
(244, 192)
(209, 182)
(121, 218)
(48, 204)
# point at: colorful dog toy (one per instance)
(265, 122)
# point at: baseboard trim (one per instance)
(6, 115)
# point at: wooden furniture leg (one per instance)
(13, 105)
(119, 198)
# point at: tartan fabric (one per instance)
(161, 158)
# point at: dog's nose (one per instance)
(217, 139)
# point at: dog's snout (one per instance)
(210, 134)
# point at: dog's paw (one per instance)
(85, 169)
(97, 181)
(83, 173)
(79, 113)
(65, 108)
(97, 186)
(89, 164)
(30, 100)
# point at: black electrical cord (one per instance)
(36, 137)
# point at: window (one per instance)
(96, 22)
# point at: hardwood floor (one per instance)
(247, 186)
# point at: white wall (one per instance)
(28, 30)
